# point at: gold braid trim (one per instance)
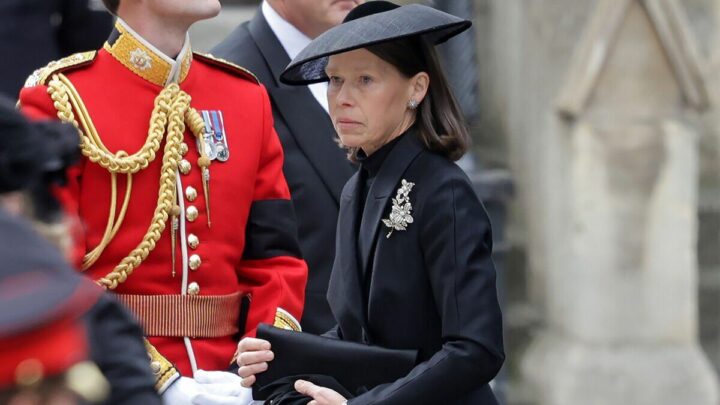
(66, 98)
(284, 320)
(163, 370)
(171, 111)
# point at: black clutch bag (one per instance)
(357, 367)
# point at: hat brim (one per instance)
(432, 25)
(37, 286)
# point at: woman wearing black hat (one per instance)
(412, 267)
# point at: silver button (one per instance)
(192, 213)
(194, 262)
(190, 193)
(184, 166)
(193, 241)
(193, 288)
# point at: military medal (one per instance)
(223, 153)
(206, 141)
(209, 145)
(215, 139)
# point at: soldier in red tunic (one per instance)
(184, 207)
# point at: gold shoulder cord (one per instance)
(170, 114)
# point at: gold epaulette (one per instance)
(227, 65)
(284, 320)
(40, 76)
(164, 371)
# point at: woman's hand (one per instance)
(320, 395)
(253, 357)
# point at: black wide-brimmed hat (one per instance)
(368, 24)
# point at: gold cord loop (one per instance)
(170, 113)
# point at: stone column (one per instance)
(621, 271)
(709, 207)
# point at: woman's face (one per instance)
(368, 99)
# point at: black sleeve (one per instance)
(116, 344)
(456, 242)
(84, 27)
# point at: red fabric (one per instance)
(120, 104)
(56, 348)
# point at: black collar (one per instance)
(372, 164)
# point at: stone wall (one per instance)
(580, 284)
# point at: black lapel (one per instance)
(345, 288)
(383, 188)
(269, 46)
(310, 124)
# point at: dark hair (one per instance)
(112, 5)
(440, 124)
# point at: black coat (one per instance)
(315, 167)
(432, 286)
(35, 32)
(116, 346)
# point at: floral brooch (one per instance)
(401, 213)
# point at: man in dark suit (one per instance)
(315, 167)
(35, 32)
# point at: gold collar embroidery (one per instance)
(145, 60)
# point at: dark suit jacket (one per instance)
(432, 286)
(315, 167)
(35, 32)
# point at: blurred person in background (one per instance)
(315, 167)
(62, 340)
(35, 32)
(186, 214)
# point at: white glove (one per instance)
(221, 388)
(182, 392)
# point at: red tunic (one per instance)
(248, 188)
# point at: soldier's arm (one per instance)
(272, 259)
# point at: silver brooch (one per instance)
(401, 213)
(140, 59)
